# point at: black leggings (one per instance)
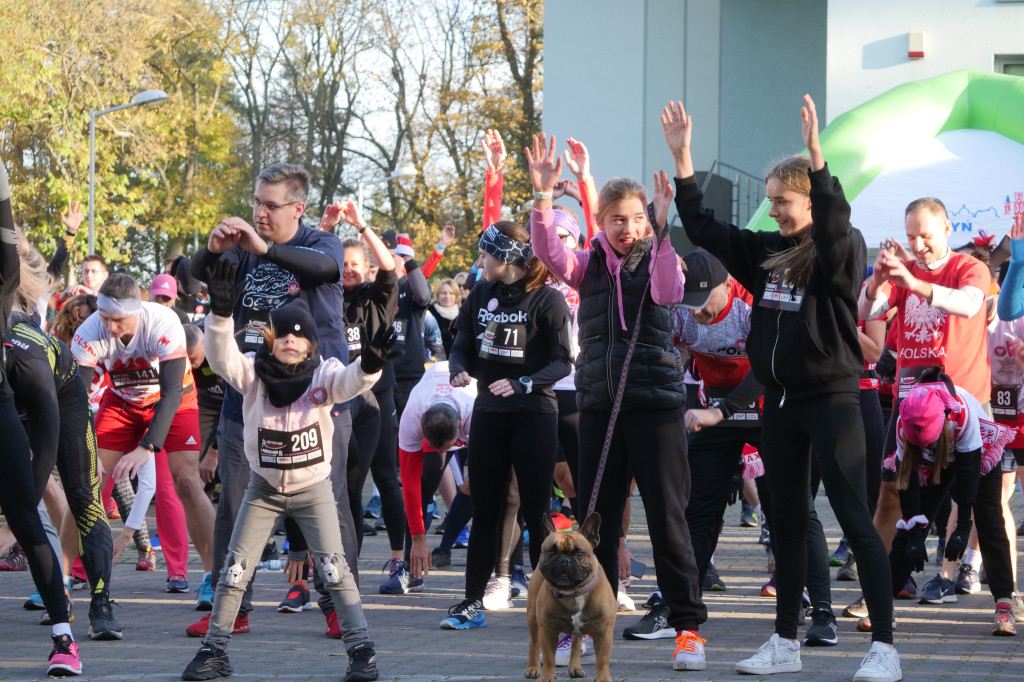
(18, 500)
(988, 517)
(652, 445)
(874, 440)
(361, 448)
(499, 443)
(714, 458)
(830, 427)
(76, 462)
(569, 436)
(384, 468)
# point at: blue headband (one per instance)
(504, 248)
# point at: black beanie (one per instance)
(294, 318)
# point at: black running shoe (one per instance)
(209, 664)
(823, 630)
(101, 620)
(362, 663)
(849, 570)
(654, 624)
(712, 581)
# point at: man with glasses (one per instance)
(279, 259)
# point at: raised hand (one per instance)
(897, 248)
(809, 116)
(1017, 231)
(222, 287)
(544, 162)
(494, 151)
(330, 217)
(567, 187)
(447, 235)
(248, 238)
(223, 238)
(663, 193)
(577, 159)
(352, 215)
(677, 126)
(73, 218)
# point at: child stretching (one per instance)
(287, 395)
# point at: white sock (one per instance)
(712, 559)
(973, 557)
(758, 510)
(375, 491)
(63, 629)
(792, 646)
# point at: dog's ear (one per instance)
(591, 529)
(549, 525)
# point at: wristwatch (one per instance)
(527, 384)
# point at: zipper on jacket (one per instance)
(611, 333)
(778, 323)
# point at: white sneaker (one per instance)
(689, 654)
(882, 664)
(625, 603)
(565, 648)
(498, 594)
(774, 656)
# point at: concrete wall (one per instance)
(739, 66)
(867, 43)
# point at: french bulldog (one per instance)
(570, 594)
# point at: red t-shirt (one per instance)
(928, 336)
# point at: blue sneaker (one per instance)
(841, 554)
(204, 594)
(400, 581)
(466, 614)
(177, 584)
(154, 542)
(34, 602)
(938, 590)
(520, 583)
(372, 509)
(462, 542)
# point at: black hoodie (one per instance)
(798, 347)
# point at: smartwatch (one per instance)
(526, 383)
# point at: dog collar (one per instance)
(578, 593)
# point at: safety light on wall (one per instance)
(915, 44)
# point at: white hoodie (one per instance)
(288, 446)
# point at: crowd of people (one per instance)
(263, 381)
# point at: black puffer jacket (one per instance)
(655, 379)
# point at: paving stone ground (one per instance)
(948, 642)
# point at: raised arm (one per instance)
(545, 167)
(352, 215)
(1011, 296)
(577, 158)
(738, 249)
(495, 156)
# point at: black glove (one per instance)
(735, 488)
(220, 284)
(916, 552)
(956, 545)
(376, 353)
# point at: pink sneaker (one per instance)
(64, 659)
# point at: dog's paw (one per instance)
(531, 673)
(576, 673)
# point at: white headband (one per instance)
(118, 306)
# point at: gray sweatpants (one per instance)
(315, 511)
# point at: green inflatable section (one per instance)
(858, 144)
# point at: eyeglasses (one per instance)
(256, 204)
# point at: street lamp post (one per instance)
(406, 171)
(144, 97)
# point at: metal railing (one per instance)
(747, 190)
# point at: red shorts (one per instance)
(120, 425)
